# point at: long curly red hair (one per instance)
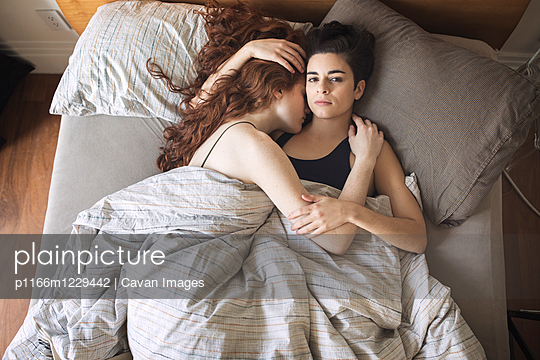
(248, 91)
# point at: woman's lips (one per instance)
(322, 102)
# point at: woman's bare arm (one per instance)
(366, 142)
(407, 228)
(285, 53)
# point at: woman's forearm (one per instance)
(355, 190)
(334, 242)
(357, 185)
(366, 142)
(406, 234)
(234, 63)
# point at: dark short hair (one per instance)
(354, 44)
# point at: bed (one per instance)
(447, 107)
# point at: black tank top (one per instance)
(333, 169)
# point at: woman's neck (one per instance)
(261, 120)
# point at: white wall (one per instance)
(525, 40)
(23, 33)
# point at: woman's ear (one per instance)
(278, 94)
(359, 91)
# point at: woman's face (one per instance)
(330, 86)
(292, 108)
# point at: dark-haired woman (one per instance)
(339, 62)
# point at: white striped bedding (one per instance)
(268, 292)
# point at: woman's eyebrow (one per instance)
(329, 73)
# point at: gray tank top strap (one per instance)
(213, 146)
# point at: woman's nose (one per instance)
(322, 89)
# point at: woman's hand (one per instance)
(324, 214)
(367, 141)
(280, 51)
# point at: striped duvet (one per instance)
(267, 292)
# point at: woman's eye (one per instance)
(313, 79)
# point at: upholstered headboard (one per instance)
(489, 20)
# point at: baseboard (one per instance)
(47, 57)
(513, 60)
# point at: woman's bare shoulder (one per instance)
(241, 144)
(248, 138)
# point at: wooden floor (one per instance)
(25, 172)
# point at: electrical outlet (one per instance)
(54, 20)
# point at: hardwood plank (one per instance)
(41, 156)
(16, 188)
(12, 313)
(491, 21)
(26, 157)
(8, 129)
(9, 126)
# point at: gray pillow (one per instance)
(453, 117)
